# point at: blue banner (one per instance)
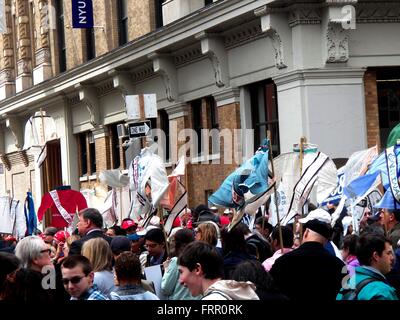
(82, 14)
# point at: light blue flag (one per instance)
(250, 176)
(378, 167)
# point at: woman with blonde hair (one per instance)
(209, 232)
(99, 253)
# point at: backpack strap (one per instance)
(352, 294)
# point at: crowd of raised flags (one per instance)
(295, 209)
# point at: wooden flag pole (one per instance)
(301, 146)
(275, 195)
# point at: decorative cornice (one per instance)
(304, 15)
(143, 73)
(188, 56)
(177, 110)
(73, 99)
(384, 12)
(227, 96)
(7, 76)
(105, 88)
(100, 131)
(243, 34)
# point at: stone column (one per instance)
(24, 62)
(7, 73)
(324, 105)
(43, 68)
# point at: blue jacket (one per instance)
(376, 290)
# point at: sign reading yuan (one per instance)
(82, 14)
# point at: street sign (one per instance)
(139, 129)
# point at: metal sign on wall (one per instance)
(139, 129)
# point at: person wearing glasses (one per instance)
(77, 278)
(35, 257)
(155, 246)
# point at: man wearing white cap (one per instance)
(310, 272)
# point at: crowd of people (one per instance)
(200, 259)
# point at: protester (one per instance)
(375, 254)
(129, 226)
(9, 264)
(263, 226)
(235, 249)
(349, 253)
(77, 277)
(155, 245)
(98, 252)
(310, 270)
(170, 285)
(209, 232)
(89, 227)
(287, 239)
(253, 271)
(49, 234)
(128, 279)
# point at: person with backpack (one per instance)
(375, 254)
(201, 271)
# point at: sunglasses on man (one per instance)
(73, 280)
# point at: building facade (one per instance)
(327, 70)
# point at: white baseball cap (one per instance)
(318, 214)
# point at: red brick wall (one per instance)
(371, 108)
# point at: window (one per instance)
(207, 2)
(62, 50)
(92, 153)
(212, 123)
(388, 86)
(197, 122)
(158, 13)
(164, 126)
(207, 194)
(83, 154)
(122, 22)
(117, 151)
(264, 113)
(90, 44)
(87, 154)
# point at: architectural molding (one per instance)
(122, 81)
(337, 40)
(88, 95)
(24, 157)
(4, 159)
(322, 76)
(304, 15)
(42, 56)
(14, 124)
(227, 96)
(268, 28)
(177, 110)
(213, 47)
(164, 66)
(143, 73)
(243, 34)
(104, 88)
(386, 12)
(7, 76)
(100, 131)
(188, 56)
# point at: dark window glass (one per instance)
(62, 50)
(164, 124)
(264, 113)
(207, 2)
(92, 153)
(90, 44)
(83, 153)
(122, 22)
(197, 122)
(158, 12)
